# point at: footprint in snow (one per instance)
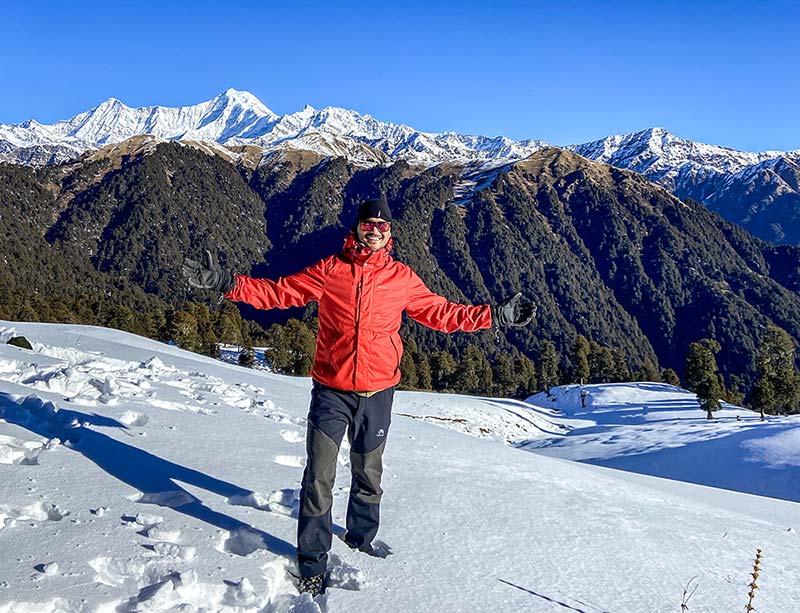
(162, 534)
(344, 576)
(157, 587)
(133, 418)
(241, 542)
(380, 549)
(292, 461)
(38, 511)
(48, 568)
(283, 502)
(292, 436)
(165, 549)
(16, 451)
(151, 526)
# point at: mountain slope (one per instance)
(758, 191)
(238, 118)
(604, 252)
(225, 116)
(678, 270)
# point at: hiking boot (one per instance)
(311, 585)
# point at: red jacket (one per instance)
(362, 295)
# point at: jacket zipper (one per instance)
(359, 292)
(397, 353)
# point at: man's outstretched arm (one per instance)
(437, 312)
(293, 290)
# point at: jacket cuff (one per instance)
(228, 283)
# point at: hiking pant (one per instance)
(366, 421)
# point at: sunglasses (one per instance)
(383, 226)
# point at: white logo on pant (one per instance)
(380, 433)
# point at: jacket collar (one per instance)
(360, 254)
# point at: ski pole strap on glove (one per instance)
(207, 274)
(513, 311)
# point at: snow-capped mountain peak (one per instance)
(656, 149)
(236, 117)
(245, 99)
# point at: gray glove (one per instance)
(207, 275)
(513, 311)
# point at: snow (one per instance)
(659, 430)
(238, 118)
(140, 477)
(780, 450)
(680, 165)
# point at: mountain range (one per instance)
(759, 191)
(238, 118)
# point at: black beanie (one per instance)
(376, 208)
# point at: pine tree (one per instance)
(408, 371)
(763, 397)
(300, 345)
(702, 376)
(120, 317)
(276, 349)
(548, 365)
(474, 373)
(734, 394)
(601, 364)
(183, 330)
(648, 372)
(443, 366)
(525, 376)
(503, 375)
(205, 329)
(777, 389)
(247, 357)
(622, 372)
(669, 376)
(153, 322)
(228, 324)
(61, 312)
(424, 377)
(580, 360)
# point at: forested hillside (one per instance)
(606, 254)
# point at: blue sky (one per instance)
(718, 72)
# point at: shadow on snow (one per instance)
(156, 478)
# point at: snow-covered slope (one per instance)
(656, 429)
(756, 190)
(655, 150)
(239, 118)
(224, 117)
(674, 162)
(139, 477)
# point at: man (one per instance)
(362, 292)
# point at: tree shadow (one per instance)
(547, 598)
(156, 478)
